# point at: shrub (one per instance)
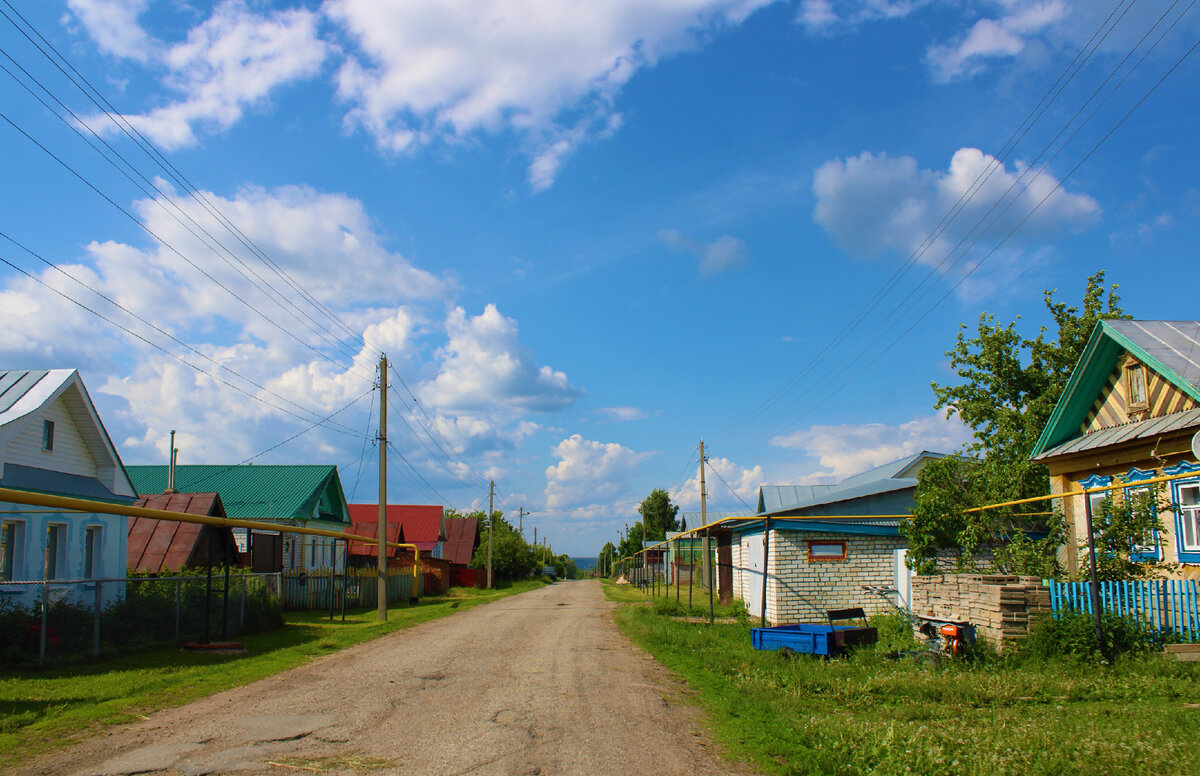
(1072, 634)
(895, 632)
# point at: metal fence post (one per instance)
(96, 622)
(178, 607)
(242, 611)
(45, 613)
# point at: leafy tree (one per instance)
(604, 561)
(512, 557)
(1119, 525)
(632, 543)
(658, 514)
(1009, 386)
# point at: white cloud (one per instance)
(589, 472)
(113, 24)
(721, 255)
(621, 413)
(849, 449)
(870, 203)
(821, 16)
(231, 61)
(988, 39)
(483, 364)
(445, 69)
(722, 471)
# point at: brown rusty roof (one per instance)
(161, 545)
(460, 539)
(394, 534)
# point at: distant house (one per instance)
(158, 546)
(462, 537)
(822, 562)
(306, 496)
(53, 442)
(1128, 413)
(419, 524)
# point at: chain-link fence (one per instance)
(49, 620)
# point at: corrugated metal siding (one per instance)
(460, 539)
(287, 492)
(1130, 431)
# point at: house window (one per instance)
(1096, 500)
(1189, 517)
(92, 551)
(56, 551)
(826, 551)
(1135, 384)
(1146, 551)
(48, 435)
(12, 550)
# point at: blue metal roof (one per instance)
(891, 478)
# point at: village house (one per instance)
(53, 442)
(304, 495)
(839, 538)
(158, 546)
(421, 524)
(1129, 412)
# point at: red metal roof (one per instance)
(371, 529)
(423, 524)
(160, 545)
(460, 539)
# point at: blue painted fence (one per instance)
(1167, 604)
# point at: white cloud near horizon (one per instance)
(873, 203)
(845, 450)
(589, 472)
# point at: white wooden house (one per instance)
(52, 441)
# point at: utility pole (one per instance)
(535, 546)
(521, 521)
(381, 555)
(703, 516)
(491, 520)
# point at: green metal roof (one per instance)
(1154, 343)
(252, 491)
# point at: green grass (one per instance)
(43, 710)
(869, 715)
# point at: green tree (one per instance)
(1121, 525)
(512, 557)
(604, 561)
(632, 543)
(658, 514)
(1009, 386)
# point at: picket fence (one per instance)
(1166, 604)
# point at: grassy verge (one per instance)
(42, 710)
(866, 714)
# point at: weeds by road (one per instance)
(867, 714)
(41, 710)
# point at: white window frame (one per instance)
(12, 559)
(56, 551)
(1189, 513)
(1145, 552)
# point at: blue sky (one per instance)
(587, 235)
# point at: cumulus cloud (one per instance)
(870, 203)
(114, 25)
(723, 475)
(444, 69)
(849, 449)
(231, 61)
(589, 472)
(1006, 35)
(721, 255)
(484, 364)
(822, 16)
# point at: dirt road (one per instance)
(540, 683)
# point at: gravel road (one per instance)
(539, 683)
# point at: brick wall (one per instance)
(999, 606)
(800, 590)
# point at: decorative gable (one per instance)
(1115, 405)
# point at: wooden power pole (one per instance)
(491, 520)
(381, 555)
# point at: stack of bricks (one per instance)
(999, 606)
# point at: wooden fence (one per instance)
(1167, 604)
(312, 588)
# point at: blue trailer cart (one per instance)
(816, 638)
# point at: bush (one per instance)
(1073, 634)
(895, 632)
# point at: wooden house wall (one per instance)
(70, 455)
(1111, 406)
